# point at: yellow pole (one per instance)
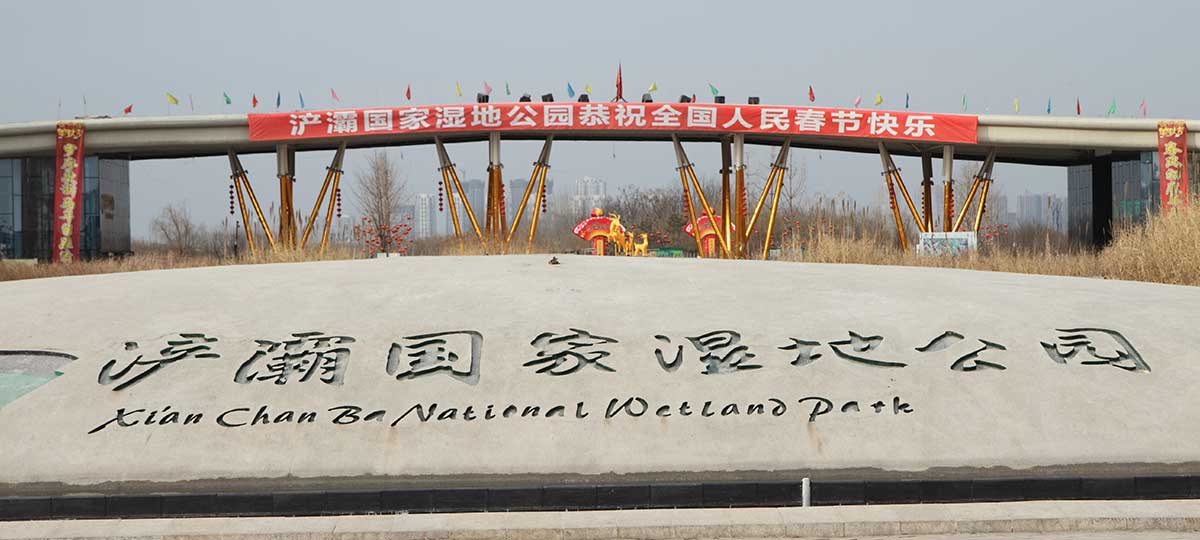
(337, 180)
(982, 203)
(771, 219)
(708, 210)
(512, 228)
(762, 198)
(966, 204)
(726, 203)
(896, 214)
(537, 209)
(450, 201)
(890, 169)
(262, 219)
(466, 205)
(740, 210)
(312, 217)
(237, 182)
(687, 202)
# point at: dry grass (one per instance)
(159, 261)
(1165, 249)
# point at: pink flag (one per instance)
(858, 101)
(334, 95)
(1143, 107)
(487, 89)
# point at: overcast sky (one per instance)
(121, 53)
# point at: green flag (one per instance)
(507, 92)
(1112, 109)
(713, 89)
(227, 100)
(964, 103)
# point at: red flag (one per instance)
(1078, 109)
(811, 96)
(254, 100)
(408, 92)
(620, 86)
(129, 109)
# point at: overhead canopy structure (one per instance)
(1016, 139)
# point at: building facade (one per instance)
(590, 192)
(27, 200)
(424, 222)
(1135, 192)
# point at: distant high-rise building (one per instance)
(424, 225)
(1041, 209)
(590, 193)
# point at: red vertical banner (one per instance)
(68, 191)
(1172, 164)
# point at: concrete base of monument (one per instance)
(499, 371)
(1076, 520)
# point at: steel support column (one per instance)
(236, 177)
(687, 167)
(447, 167)
(496, 220)
(947, 187)
(893, 173)
(285, 159)
(334, 170)
(739, 165)
(982, 177)
(543, 162)
(726, 201)
(774, 181)
(236, 165)
(927, 190)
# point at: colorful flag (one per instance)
(1016, 105)
(653, 87)
(191, 103)
(1078, 108)
(334, 95)
(1143, 107)
(487, 89)
(857, 101)
(1048, 105)
(408, 92)
(254, 101)
(713, 90)
(812, 97)
(906, 101)
(964, 105)
(278, 99)
(128, 109)
(1112, 109)
(878, 99)
(570, 91)
(228, 101)
(172, 99)
(457, 89)
(507, 92)
(587, 88)
(620, 85)
(301, 94)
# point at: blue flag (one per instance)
(301, 94)
(570, 91)
(278, 99)
(906, 101)
(1047, 105)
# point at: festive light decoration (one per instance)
(231, 199)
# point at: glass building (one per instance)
(27, 213)
(1135, 192)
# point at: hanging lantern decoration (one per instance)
(338, 195)
(231, 199)
(440, 198)
(543, 197)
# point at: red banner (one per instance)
(68, 191)
(616, 117)
(1172, 164)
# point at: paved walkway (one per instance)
(990, 521)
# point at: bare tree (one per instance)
(379, 194)
(175, 228)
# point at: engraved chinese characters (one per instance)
(315, 356)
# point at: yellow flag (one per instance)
(457, 89)
(172, 99)
(587, 88)
(878, 99)
(653, 87)
(1016, 105)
